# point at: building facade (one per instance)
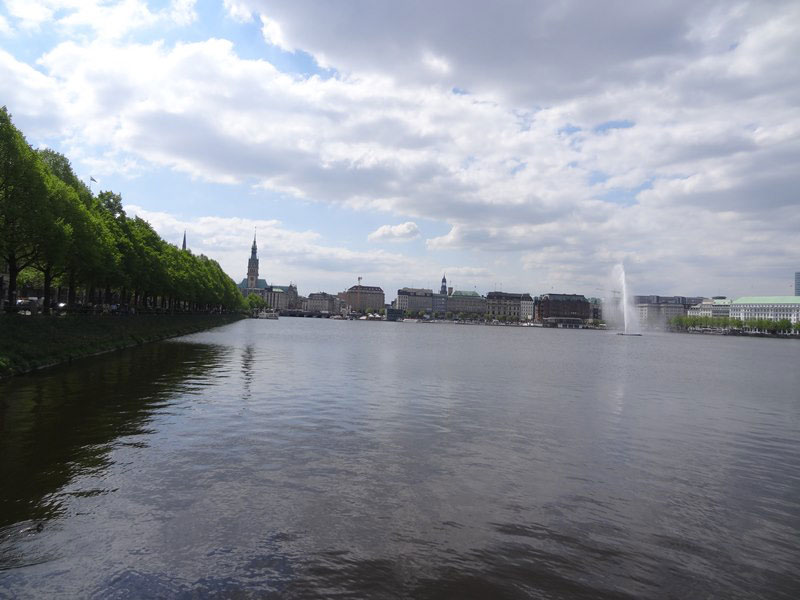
(653, 299)
(439, 301)
(797, 284)
(562, 308)
(658, 316)
(773, 308)
(415, 299)
(469, 303)
(596, 305)
(323, 302)
(362, 298)
(718, 306)
(505, 304)
(526, 308)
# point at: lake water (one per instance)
(306, 458)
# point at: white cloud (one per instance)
(29, 13)
(238, 10)
(284, 254)
(435, 63)
(525, 165)
(107, 19)
(5, 28)
(395, 233)
(271, 30)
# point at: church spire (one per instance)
(252, 266)
(184, 240)
(443, 289)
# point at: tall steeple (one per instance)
(184, 240)
(252, 266)
(443, 290)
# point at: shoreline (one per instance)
(33, 343)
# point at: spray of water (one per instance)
(630, 320)
(620, 305)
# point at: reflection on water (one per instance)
(307, 458)
(65, 423)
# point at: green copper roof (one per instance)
(768, 300)
(470, 294)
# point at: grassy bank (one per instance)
(28, 343)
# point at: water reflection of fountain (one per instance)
(630, 320)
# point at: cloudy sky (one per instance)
(520, 145)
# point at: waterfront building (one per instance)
(773, 308)
(439, 304)
(526, 308)
(506, 304)
(324, 303)
(653, 299)
(278, 297)
(596, 305)
(439, 301)
(415, 299)
(559, 310)
(718, 306)
(361, 298)
(655, 312)
(658, 315)
(470, 303)
(797, 284)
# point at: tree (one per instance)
(255, 302)
(23, 196)
(55, 235)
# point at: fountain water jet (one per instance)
(629, 319)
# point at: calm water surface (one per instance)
(308, 458)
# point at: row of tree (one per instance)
(686, 323)
(52, 223)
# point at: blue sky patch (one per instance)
(619, 124)
(625, 196)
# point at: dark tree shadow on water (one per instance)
(65, 421)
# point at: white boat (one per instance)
(268, 314)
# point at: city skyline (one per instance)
(527, 147)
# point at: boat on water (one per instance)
(268, 314)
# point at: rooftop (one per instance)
(470, 294)
(564, 297)
(767, 300)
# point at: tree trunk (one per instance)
(13, 271)
(48, 281)
(71, 291)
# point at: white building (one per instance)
(713, 307)
(658, 316)
(526, 308)
(773, 308)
